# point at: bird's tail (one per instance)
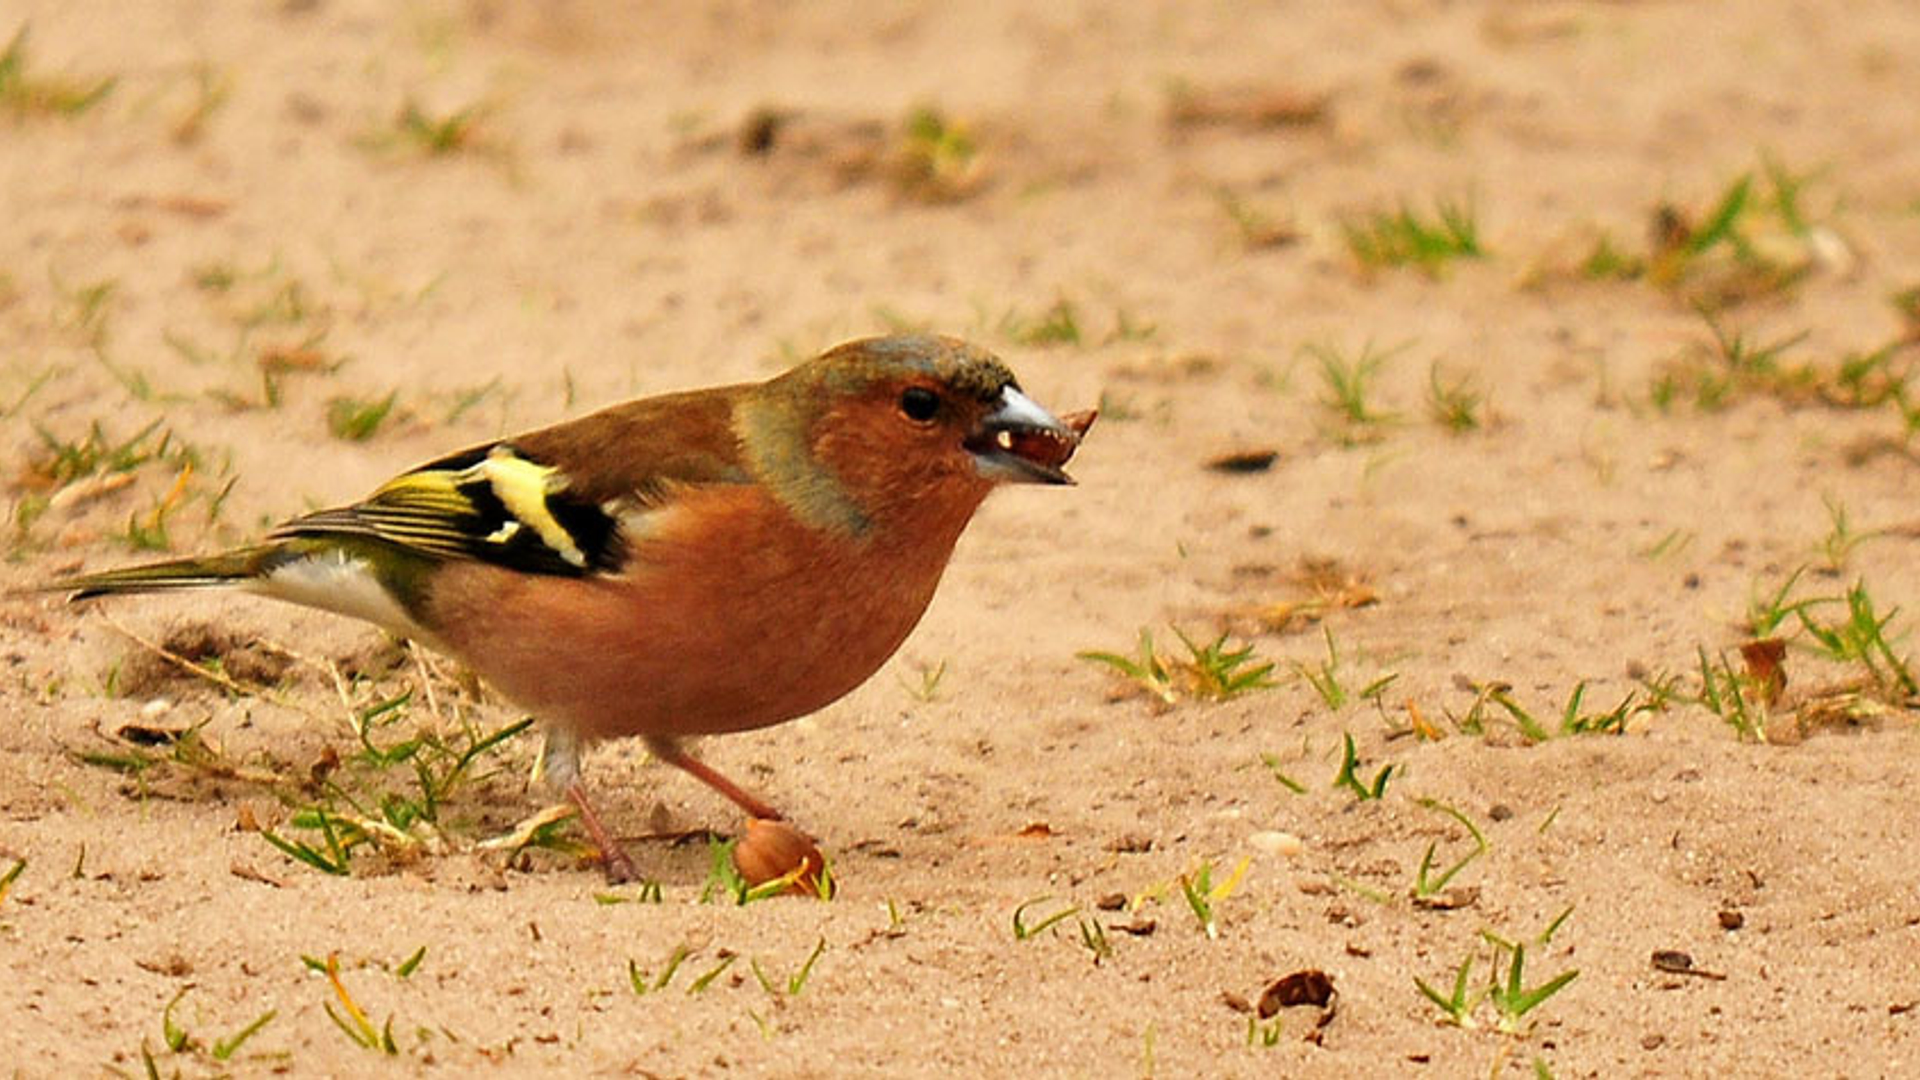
(227, 568)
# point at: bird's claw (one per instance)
(618, 866)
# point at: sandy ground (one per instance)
(241, 244)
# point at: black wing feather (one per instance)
(462, 507)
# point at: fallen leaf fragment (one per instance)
(1244, 462)
(1307, 987)
(149, 735)
(1423, 728)
(1246, 107)
(1766, 666)
(88, 489)
(248, 873)
(1675, 962)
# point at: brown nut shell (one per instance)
(774, 849)
(1081, 421)
(1053, 449)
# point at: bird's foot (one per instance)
(613, 858)
(618, 866)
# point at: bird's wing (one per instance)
(551, 501)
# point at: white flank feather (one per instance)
(336, 581)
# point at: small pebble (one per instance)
(1277, 843)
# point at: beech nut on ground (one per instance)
(774, 849)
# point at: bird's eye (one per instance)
(917, 403)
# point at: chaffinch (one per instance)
(690, 564)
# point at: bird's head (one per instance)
(917, 420)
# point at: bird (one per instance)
(695, 563)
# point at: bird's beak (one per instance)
(1021, 443)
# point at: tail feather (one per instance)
(228, 568)
(330, 574)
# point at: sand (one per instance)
(1142, 206)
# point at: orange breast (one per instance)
(730, 616)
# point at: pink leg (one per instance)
(620, 868)
(671, 752)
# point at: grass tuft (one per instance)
(1511, 998)
(1211, 670)
(12, 875)
(1325, 678)
(1256, 227)
(359, 419)
(437, 135)
(1201, 893)
(938, 159)
(1026, 931)
(1349, 775)
(1457, 404)
(391, 796)
(1403, 238)
(24, 92)
(1426, 882)
(1058, 324)
(794, 983)
(352, 1020)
